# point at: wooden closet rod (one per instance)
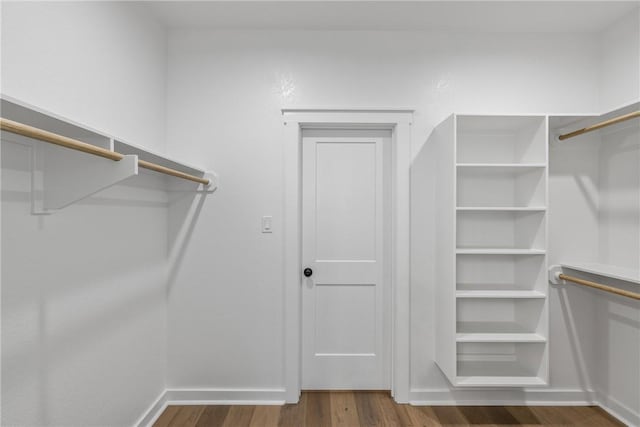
(600, 125)
(63, 141)
(600, 286)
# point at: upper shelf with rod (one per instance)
(567, 127)
(600, 125)
(63, 185)
(558, 276)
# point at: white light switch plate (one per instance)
(267, 224)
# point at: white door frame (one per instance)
(399, 122)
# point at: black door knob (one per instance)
(307, 272)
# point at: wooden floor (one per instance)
(350, 409)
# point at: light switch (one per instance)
(266, 224)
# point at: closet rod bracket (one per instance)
(554, 275)
(212, 185)
(181, 186)
(59, 180)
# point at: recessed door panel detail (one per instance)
(345, 200)
(348, 325)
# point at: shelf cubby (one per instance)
(521, 364)
(501, 316)
(501, 187)
(502, 229)
(501, 273)
(501, 139)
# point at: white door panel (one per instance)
(345, 200)
(343, 341)
(335, 305)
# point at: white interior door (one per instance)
(344, 342)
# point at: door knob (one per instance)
(307, 272)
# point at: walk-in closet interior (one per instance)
(320, 213)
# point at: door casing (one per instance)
(398, 121)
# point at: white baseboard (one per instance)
(418, 397)
(211, 396)
(530, 397)
(225, 396)
(151, 415)
(620, 411)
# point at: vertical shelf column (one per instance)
(491, 238)
(501, 241)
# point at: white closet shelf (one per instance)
(612, 271)
(499, 251)
(496, 373)
(493, 294)
(106, 161)
(499, 381)
(501, 209)
(29, 115)
(511, 167)
(499, 337)
(472, 331)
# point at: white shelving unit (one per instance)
(491, 242)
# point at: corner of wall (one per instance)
(620, 62)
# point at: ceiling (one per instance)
(472, 16)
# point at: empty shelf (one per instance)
(499, 251)
(495, 332)
(496, 373)
(501, 209)
(612, 271)
(499, 337)
(498, 381)
(512, 167)
(498, 294)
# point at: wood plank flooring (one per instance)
(352, 409)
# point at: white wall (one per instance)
(620, 59)
(574, 205)
(101, 64)
(84, 289)
(595, 218)
(225, 90)
(618, 319)
(83, 304)
(595, 211)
